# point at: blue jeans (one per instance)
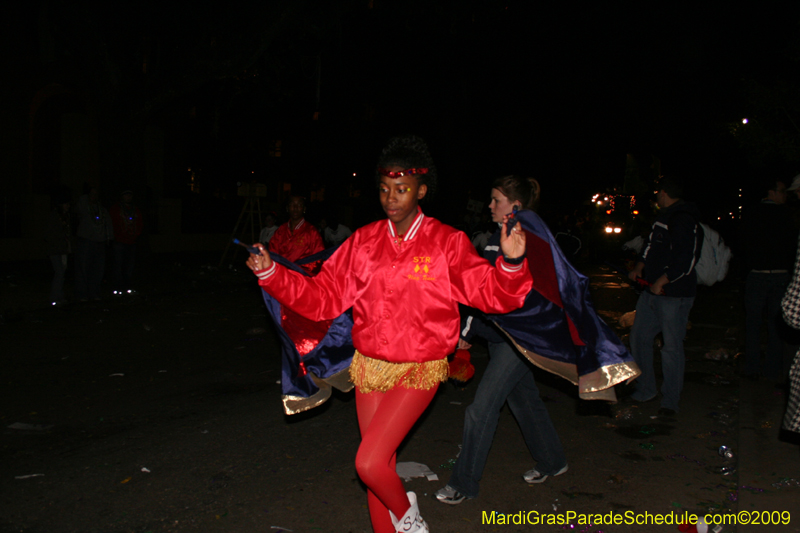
(668, 316)
(507, 378)
(763, 292)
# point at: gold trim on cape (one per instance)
(297, 404)
(597, 385)
(371, 375)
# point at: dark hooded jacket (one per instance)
(673, 248)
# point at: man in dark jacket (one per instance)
(769, 245)
(667, 262)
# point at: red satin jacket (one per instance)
(404, 293)
(295, 244)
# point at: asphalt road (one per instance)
(162, 412)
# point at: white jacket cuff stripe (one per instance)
(511, 268)
(266, 273)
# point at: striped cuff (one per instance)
(267, 272)
(511, 268)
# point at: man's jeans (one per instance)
(763, 292)
(508, 377)
(668, 316)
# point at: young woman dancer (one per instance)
(404, 278)
(508, 378)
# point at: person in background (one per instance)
(59, 246)
(297, 238)
(335, 232)
(127, 222)
(790, 305)
(769, 238)
(667, 263)
(94, 234)
(404, 278)
(483, 232)
(270, 226)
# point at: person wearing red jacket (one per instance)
(127, 221)
(404, 278)
(297, 238)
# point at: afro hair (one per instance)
(409, 151)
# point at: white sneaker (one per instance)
(449, 495)
(534, 476)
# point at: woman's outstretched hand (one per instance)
(261, 261)
(513, 245)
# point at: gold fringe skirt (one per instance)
(373, 375)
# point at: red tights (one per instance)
(385, 418)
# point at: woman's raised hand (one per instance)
(261, 261)
(513, 245)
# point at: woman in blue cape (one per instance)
(556, 329)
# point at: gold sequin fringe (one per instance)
(371, 375)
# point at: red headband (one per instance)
(402, 173)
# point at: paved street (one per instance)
(163, 413)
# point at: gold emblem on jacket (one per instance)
(421, 269)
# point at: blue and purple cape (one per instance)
(557, 328)
(315, 356)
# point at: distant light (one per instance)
(617, 230)
(744, 121)
(609, 230)
(608, 212)
(731, 214)
(599, 202)
(354, 173)
(719, 218)
(605, 198)
(635, 212)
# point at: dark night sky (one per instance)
(565, 93)
(560, 91)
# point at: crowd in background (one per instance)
(99, 233)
